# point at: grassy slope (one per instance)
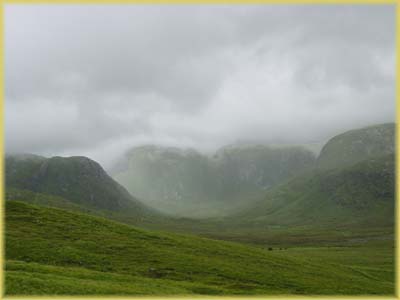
(360, 194)
(47, 200)
(42, 199)
(53, 251)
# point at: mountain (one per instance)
(187, 183)
(357, 145)
(76, 180)
(170, 179)
(56, 252)
(359, 196)
(353, 199)
(259, 166)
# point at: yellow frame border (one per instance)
(234, 2)
(151, 2)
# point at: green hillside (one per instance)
(12, 194)
(187, 183)
(51, 251)
(357, 145)
(363, 193)
(78, 180)
(324, 207)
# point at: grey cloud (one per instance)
(98, 79)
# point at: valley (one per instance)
(49, 251)
(249, 220)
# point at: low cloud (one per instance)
(96, 80)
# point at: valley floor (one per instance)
(344, 270)
(56, 252)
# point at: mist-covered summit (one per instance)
(189, 183)
(357, 145)
(186, 182)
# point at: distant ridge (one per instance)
(187, 183)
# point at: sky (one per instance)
(97, 80)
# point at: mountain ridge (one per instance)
(190, 184)
(77, 179)
(356, 145)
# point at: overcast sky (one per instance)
(97, 80)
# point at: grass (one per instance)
(56, 252)
(39, 279)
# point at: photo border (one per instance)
(3, 3)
